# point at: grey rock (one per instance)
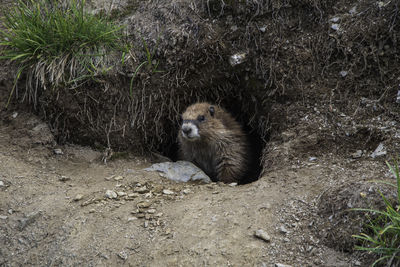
(111, 194)
(28, 219)
(168, 192)
(3, 217)
(1, 183)
(282, 265)
(283, 229)
(335, 26)
(262, 235)
(180, 171)
(343, 73)
(398, 97)
(379, 151)
(335, 19)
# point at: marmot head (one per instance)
(197, 120)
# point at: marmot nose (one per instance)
(186, 130)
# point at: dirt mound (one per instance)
(341, 222)
(292, 52)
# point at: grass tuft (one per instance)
(383, 237)
(59, 43)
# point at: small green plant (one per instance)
(383, 238)
(59, 43)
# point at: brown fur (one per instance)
(221, 151)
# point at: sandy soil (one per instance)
(54, 209)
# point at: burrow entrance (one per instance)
(252, 129)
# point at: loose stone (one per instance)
(111, 194)
(78, 197)
(118, 178)
(168, 192)
(123, 255)
(262, 235)
(121, 194)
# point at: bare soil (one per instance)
(54, 209)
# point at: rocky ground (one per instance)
(61, 205)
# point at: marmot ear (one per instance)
(212, 110)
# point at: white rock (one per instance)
(123, 255)
(111, 194)
(132, 219)
(237, 59)
(186, 191)
(3, 217)
(282, 265)
(1, 183)
(78, 197)
(121, 194)
(118, 178)
(168, 192)
(262, 235)
(151, 211)
(58, 151)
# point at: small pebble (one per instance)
(78, 197)
(111, 194)
(283, 229)
(133, 195)
(58, 151)
(1, 183)
(232, 184)
(144, 204)
(146, 224)
(3, 217)
(186, 191)
(132, 219)
(141, 190)
(151, 211)
(123, 255)
(118, 178)
(121, 194)
(262, 235)
(64, 178)
(167, 192)
(282, 265)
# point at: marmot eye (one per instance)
(200, 118)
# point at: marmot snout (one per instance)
(211, 138)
